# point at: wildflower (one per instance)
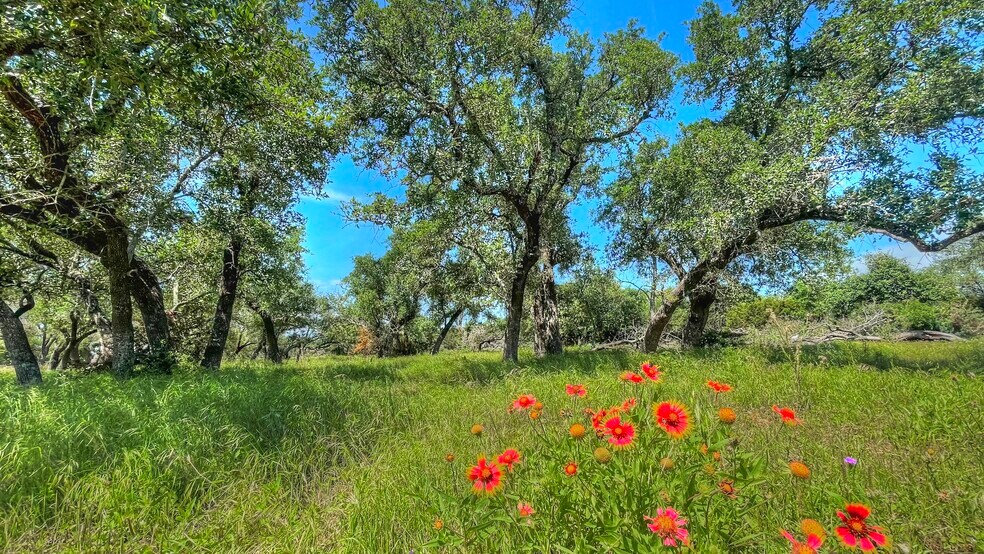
(477, 429)
(811, 545)
(787, 414)
(651, 371)
(438, 524)
(856, 532)
(538, 406)
(486, 478)
(669, 526)
(577, 431)
(628, 404)
(703, 449)
(524, 402)
(666, 463)
(576, 390)
(716, 455)
(525, 510)
(710, 469)
(727, 488)
(621, 433)
(673, 418)
(719, 387)
(727, 416)
(631, 377)
(534, 414)
(508, 458)
(813, 527)
(799, 469)
(602, 455)
(850, 461)
(449, 457)
(570, 469)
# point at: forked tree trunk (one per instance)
(228, 285)
(99, 321)
(445, 329)
(115, 259)
(546, 315)
(17, 344)
(701, 300)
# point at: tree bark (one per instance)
(701, 300)
(546, 315)
(660, 319)
(228, 285)
(259, 348)
(149, 298)
(17, 344)
(272, 341)
(517, 290)
(115, 259)
(445, 329)
(56, 355)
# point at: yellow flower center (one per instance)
(618, 431)
(486, 473)
(856, 526)
(665, 524)
(672, 418)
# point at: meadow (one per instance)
(351, 454)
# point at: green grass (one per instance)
(341, 454)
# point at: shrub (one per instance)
(913, 315)
(757, 312)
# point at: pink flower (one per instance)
(620, 432)
(652, 371)
(669, 526)
(811, 545)
(631, 377)
(525, 510)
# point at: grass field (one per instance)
(348, 454)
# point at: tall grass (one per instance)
(341, 453)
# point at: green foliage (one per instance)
(596, 308)
(914, 315)
(758, 313)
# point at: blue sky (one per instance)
(331, 242)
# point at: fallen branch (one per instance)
(617, 344)
(837, 335)
(926, 335)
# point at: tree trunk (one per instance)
(56, 355)
(149, 298)
(228, 284)
(701, 300)
(98, 319)
(17, 344)
(546, 315)
(270, 336)
(517, 290)
(660, 319)
(259, 348)
(71, 356)
(446, 329)
(115, 259)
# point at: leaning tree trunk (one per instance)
(445, 329)
(72, 357)
(701, 300)
(660, 318)
(149, 298)
(546, 315)
(116, 260)
(18, 346)
(517, 290)
(228, 284)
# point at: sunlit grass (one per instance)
(342, 453)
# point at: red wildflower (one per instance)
(508, 458)
(631, 377)
(669, 526)
(719, 387)
(673, 418)
(787, 414)
(652, 371)
(486, 478)
(525, 510)
(576, 390)
(621, 433)
(811, 545)
(524, 402)
(628, 404)
(570, 469)
(856, 532)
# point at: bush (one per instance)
(757, 312)
(914, 315)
